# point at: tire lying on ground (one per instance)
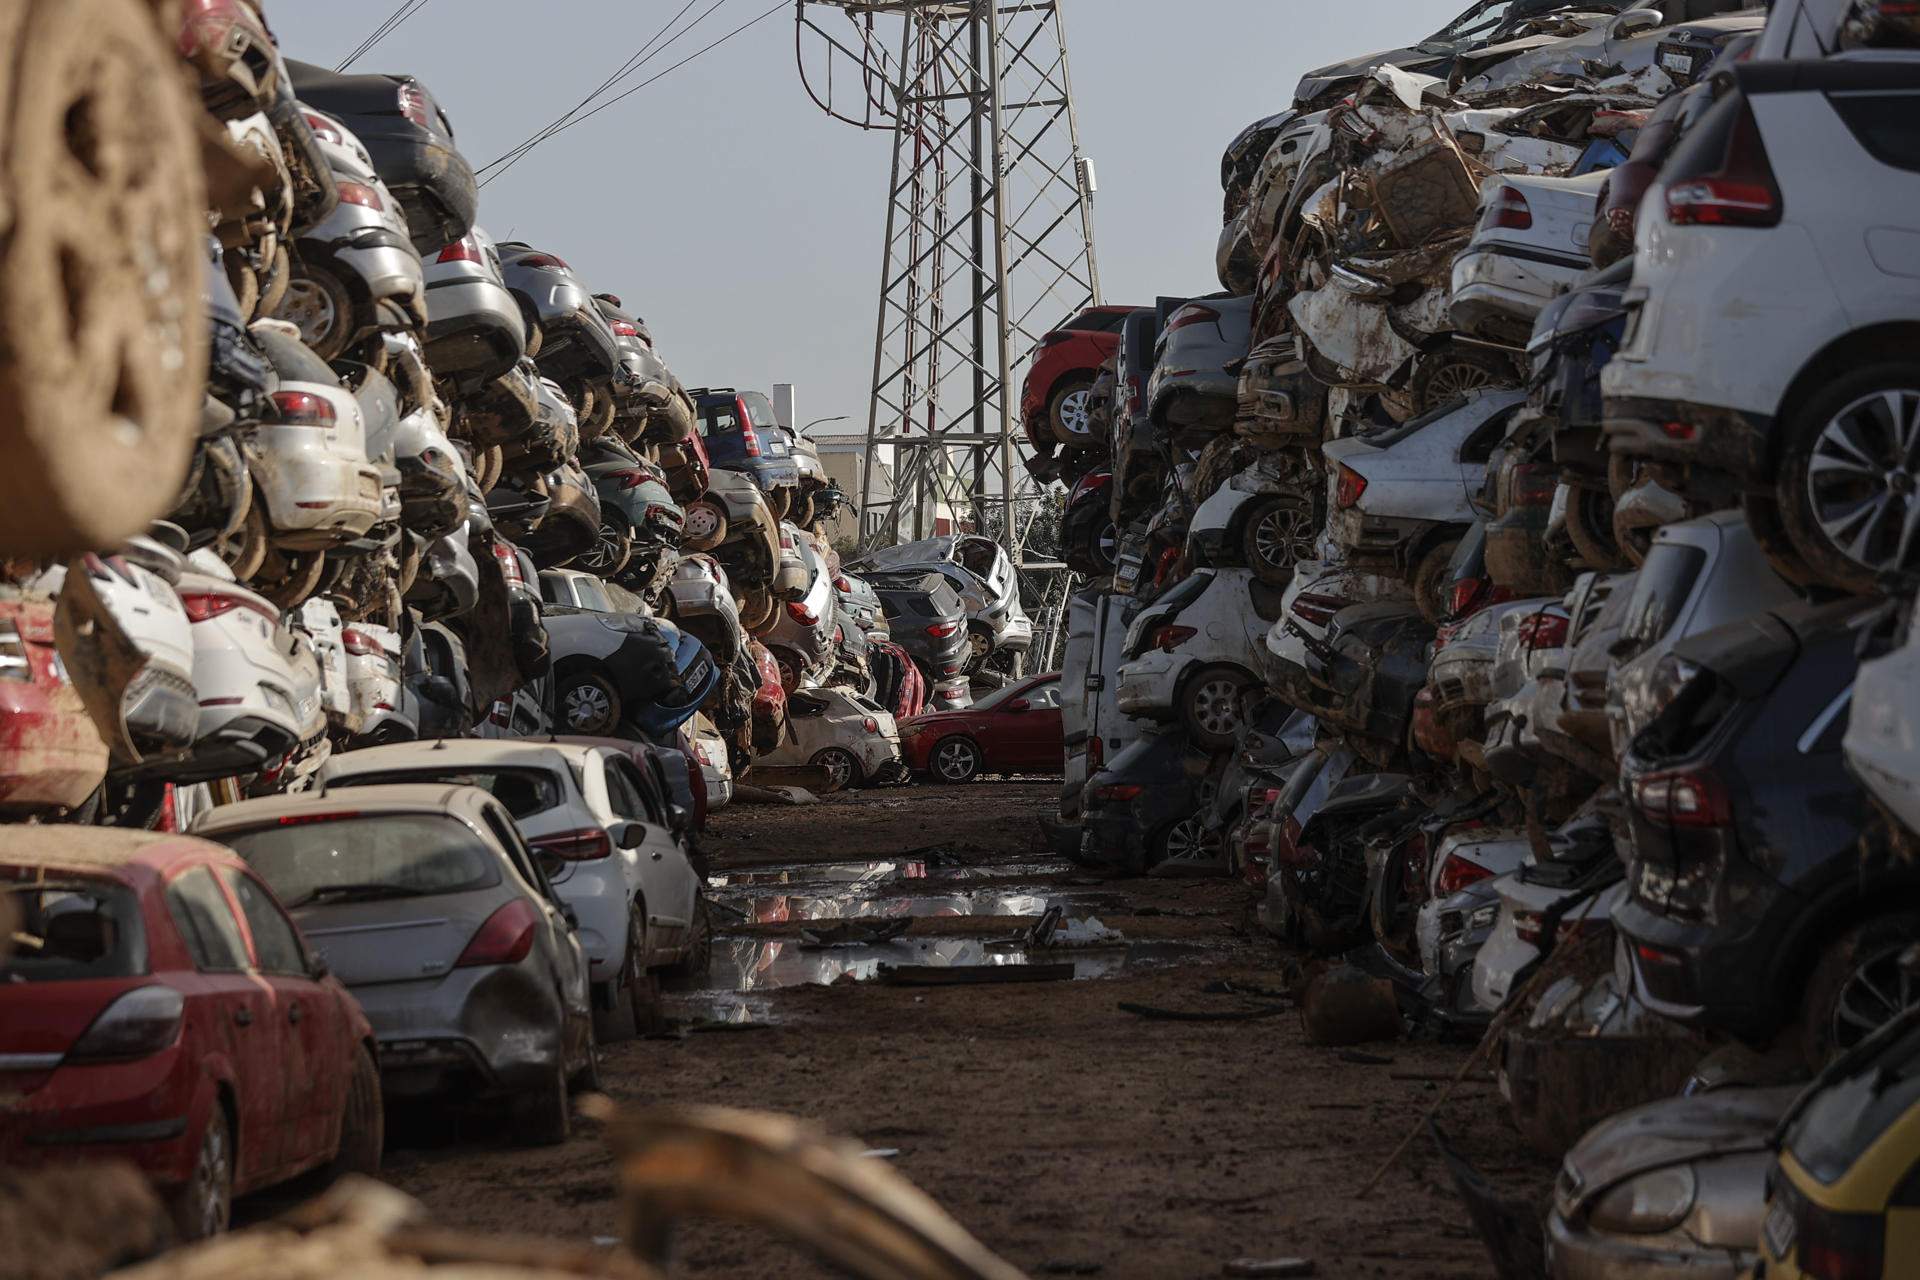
(102, 245)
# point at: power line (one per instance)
(581, 119)
(386, 28)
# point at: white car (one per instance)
(1515, 941)
(708, 748)
(575, 590)
(248, 691)
(1883, 726)
(1260, 519)
(1399, 498)
(1769, 322)
(376, 686)
(1529, 244)
(801, 633)
(319, 620)
(603, 834)
(851, 737)
(1194, 654)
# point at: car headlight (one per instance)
(1646, 1205)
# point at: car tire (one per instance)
(1590, 526)
(802, 511)
(1864, 466)
(1277, 534)
(319, 303)
(843, 771)
(705, 527)
(363, 1133)
(611, 550)
(757, 611)
(780, 501)
(202, 1207)
(979, 648)
(1210, 706)
(1067, 403)
(699, 956)
(955, 760)
(1848, 993)
(1455, 369)
(1182, 839)
(246, 550)
(543, 1116)
(791, 668)
(590, 704)
(1770, 531)
(1430, 583)
(621, 1015)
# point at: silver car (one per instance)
(426, 902)
(801, 635)
(475, 331)
(1190, 386)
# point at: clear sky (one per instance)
(745, 225)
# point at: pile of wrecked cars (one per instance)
(1510, 575)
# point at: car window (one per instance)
(593, 595)
(622, 798)
(276, 944)
(205, 920)
(515, 845)
(720, 419)
(1887, 125)
(652, 808)
(524, 792)
(1044, 696)
(66, 930)
(356, 859)
(1663, 584)
(760, 411)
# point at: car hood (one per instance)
(1669, 1132)
(1407, 58)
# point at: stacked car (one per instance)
(1508, 571)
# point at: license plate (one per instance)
(697, 673)
(1779, 1229)
(1678, 61)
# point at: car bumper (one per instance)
(1678, 431)
(1498, 291)
(499, 1023)
(1375, 542)
(473, 327)
(1574, 1254)
(139, 1111)
(1147, 685)
(315, 498)
(1704, 976)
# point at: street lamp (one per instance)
(817, 421)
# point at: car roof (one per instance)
(416, 797)
(98, 849)
(458, 752)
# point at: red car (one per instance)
(1053, 400)
(1014, 730)
(159, 1006)
(769, 700)
(51, 756)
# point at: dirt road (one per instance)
(1070, 1136)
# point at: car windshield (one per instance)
(1846, 1117)
(524, 792)
(321, 858)
(68, 929)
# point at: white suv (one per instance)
(1772, 351)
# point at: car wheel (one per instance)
(1210, 706)
(757, 611)
(1188, 841)
(780, 501)
(590, 704)
(1590, 526)
(203, 1206)
(699, 957)
(1279, 533)
(317, 302)
(790, 669)
(363, 1124)
(288, 577)
(247, 549)
(955, 760)
(1431, 585)
(1857, 986)
(1454, 370)
(543, 1116)
(617, 1015)
(587, 1078)
(843, 771)
(1849, 491)
(802, 510)
(1770, 531)
(979, 647)
(705, 527)
(1067, 412)
(611, 550)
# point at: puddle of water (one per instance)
(861, 874)
(767, 964)
(782, 908)
(707, 1005)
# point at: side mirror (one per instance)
(1019, 704)
(317, 966)
(630, 835)
(1634, 21)
(572, 917)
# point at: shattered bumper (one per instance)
(1145, 686)
(1727, 440)
(1574, 1254)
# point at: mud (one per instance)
(1070, 1136)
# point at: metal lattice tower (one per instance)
(989, 237)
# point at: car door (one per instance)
(666, 877)
(241, 1026)
(1040, 733)
(304, 1020)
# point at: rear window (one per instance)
(66, 930)
(524, 792)
(759, 410)
(719, 418)
(352, 859)
(1659, 589)
(1886, 124)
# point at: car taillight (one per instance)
(798, 611)
(1526, 926)
(749, 438)
(941, 630)
(323, 129)
(841, 584)
(1840, 1246)
(1533, 485)
(870, 725)
(506, 937)
(303, 409)
(143, 1021)
(360, 644)
(1096, 753)
(621, 329)
(509, 565)
(1171, 638)
(1117, 791)
(1456, 873)
(1682, 798)
(1466, 593)
(14, 663)
(465, 250)
(361, 194)
(413, 105)
(1289, 850)
(202, 606)
(1316, 608)
(543, 262)
(1192, 315)
(630, 478)
(1742, 193)
(1508, 209)
(584, 844)
(1351, 485)
(1543, 631)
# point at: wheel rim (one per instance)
(1877, 989)
(1863, 475)
(606, 550)
(309, 307)
(1284, 536)
(1456, 379)
(1073, 412)
(789, 674)
(839, 767)
(1106, 547)
(587, 706)
(1187, 842)
(211, 1178)
(700, 522)
(978, 646)
(954, 760)
(1216, 707)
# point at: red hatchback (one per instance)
(1053, 400)
(159, 1006)
(1014, 730)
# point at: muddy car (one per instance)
(851, 737)
(1143, 805)
(1194, 654)
(1193, 387)
(926, 618)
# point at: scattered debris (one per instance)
(1345, 1006)
(1203, 1015)
(849, 933)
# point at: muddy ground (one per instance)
(1070, 1136)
